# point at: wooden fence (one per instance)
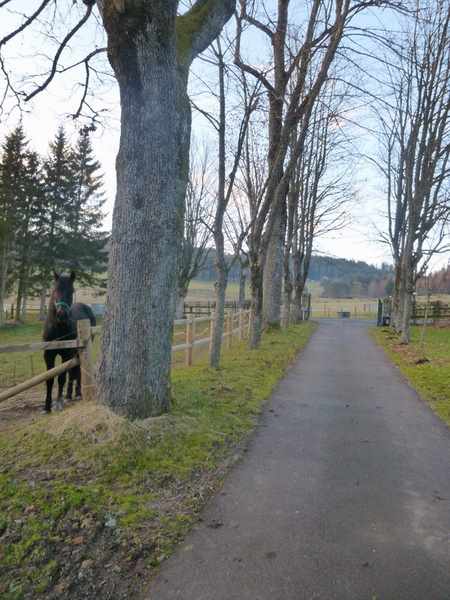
(431, 312)
(237, 324)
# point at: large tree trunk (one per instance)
(150, 50)
(134, 374)
(396, 298)
(287, 313)
(273, 271)
(408, 290)
(297, 311)
(256, 286)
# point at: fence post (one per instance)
(190, 324)
(229, 328)
(86, 360)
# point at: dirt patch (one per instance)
(22, 409)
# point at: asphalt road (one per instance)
(343, 494)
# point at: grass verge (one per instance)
(90, 504)
(427, 369)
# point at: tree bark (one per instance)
(256, 286)
(297, 311)
(273, 271)
(134, 375)
(407, 289)
(150, 50)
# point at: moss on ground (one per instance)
(427, 369)
(90, 502)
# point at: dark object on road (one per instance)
(344, 314)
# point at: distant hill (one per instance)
(321, 267)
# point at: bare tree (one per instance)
(324, 29)
(416, 136)
(318, 194)
(226, 76)
(197, 227)
(150, 48)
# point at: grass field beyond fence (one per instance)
(427, 369)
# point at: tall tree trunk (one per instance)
(273, 270)
(134, 374)
(297, 311)
(256, 286)
(287, 304)
(19, 301)
(396, 297)
(408, 290)
(150, 50)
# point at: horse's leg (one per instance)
(72, 376)
(49, 357)
(65, 356)
(61, 384)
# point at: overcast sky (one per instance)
(359, 240)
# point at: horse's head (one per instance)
(62, 296)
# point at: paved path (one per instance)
(344, 493)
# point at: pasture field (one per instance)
(91, 504)
(427, 368)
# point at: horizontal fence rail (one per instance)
(26, 385)
(237, 323)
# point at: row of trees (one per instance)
(50, 215)
(281, 143)
(414, 130)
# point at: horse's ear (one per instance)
(72, 275)
(55, 275)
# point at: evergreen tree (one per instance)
(58, 187)
(85, 237)
(12, 203)
(28, 235)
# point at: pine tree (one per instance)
(85, 237)
(28, 235)
(58, 184)
(12, 202)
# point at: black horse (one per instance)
(61, 324)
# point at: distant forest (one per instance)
(339, 277)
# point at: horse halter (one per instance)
(63, 305)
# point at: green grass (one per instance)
(85, 474)
(431, 378)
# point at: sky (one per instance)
(359, 240)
